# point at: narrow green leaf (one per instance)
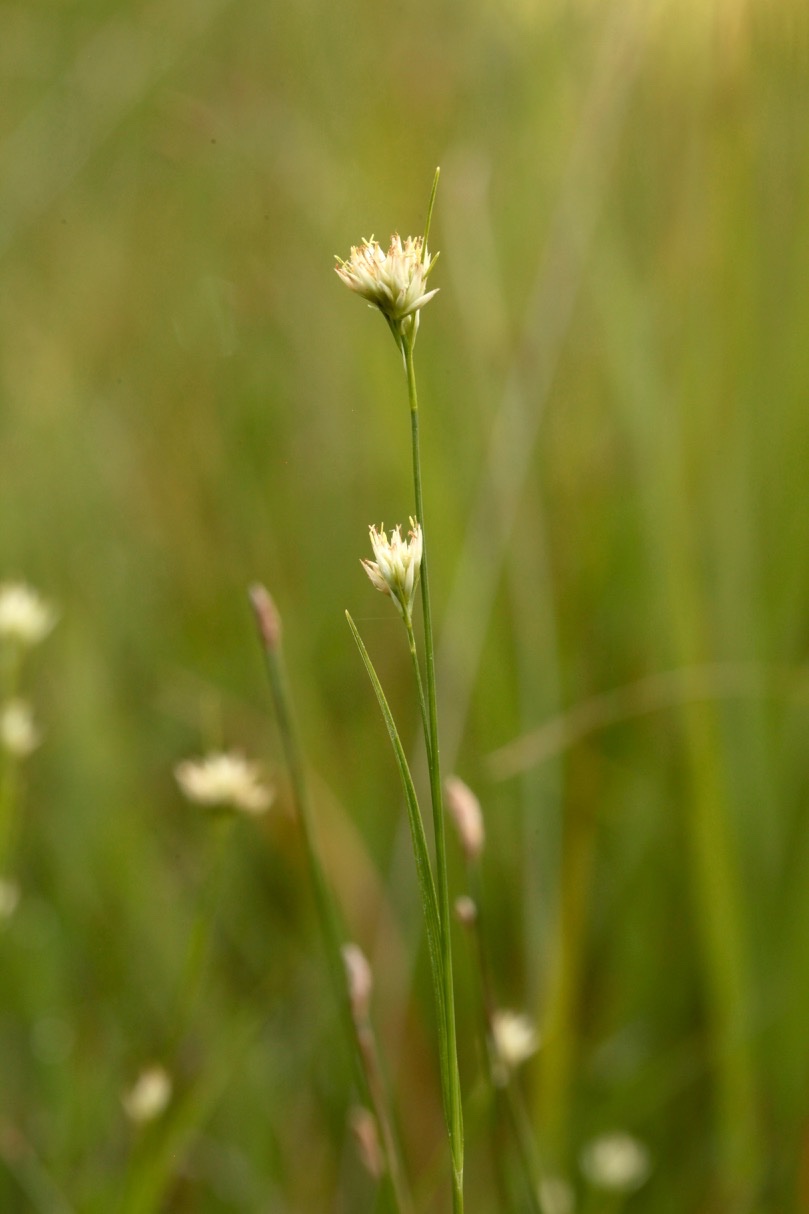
(429, 901)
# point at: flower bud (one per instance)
(465, 811)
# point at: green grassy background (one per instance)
(615, 390)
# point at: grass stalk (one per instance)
(454, 1110)
(201, 934)
(9, 764)
(9, 785)
(425, 719)
(367, 1078)
(505, 1095)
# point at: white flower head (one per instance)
(515, 1040)
(25, 618)
(395, 282)
(19, 735)
(148, 1096)
(226, 780)
(616, 1161)
(396, 568)
(466, 912)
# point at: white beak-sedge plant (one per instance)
(395, 283)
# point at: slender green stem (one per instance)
(424, 872)
(377, 1088)
(509, 1092)
(454, 1110)
(201, 933)
(425, 720)
(293, 754)
(372, 1092)
(9, 763)
(429, 219)
(9, 784)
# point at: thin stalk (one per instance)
(269, 629)
(201, 934)
(454, 1110)
(511, 1096)
(425, 720)
(424, 872)
(557, 1059)
(9, 785)
(377, 1089)
(9, 766)
(293, 755)
(430, 205)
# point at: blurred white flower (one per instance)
(25, 618)
(9, 897)
(467, 815)
(148, 1096)
(394, 281)
(19, 735)
(515, 1040)
(616, 1161)
(466, 912)
(224, 780)
(396, 568)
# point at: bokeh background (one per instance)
(615, 396)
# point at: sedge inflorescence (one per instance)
(224, 780)
(25, 617)
(394, 281)
(398, 561)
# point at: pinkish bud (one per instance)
(267, 617)
(465, 811)
(360, 981)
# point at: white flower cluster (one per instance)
(25, 618)
(515, 1040)
(396, 568)
(224, 780)
(19, 735)
(616, 1162)
(149, 1095)
(395, 281)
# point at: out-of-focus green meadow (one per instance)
(615, 393)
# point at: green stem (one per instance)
(9, 784)
(454, 1110)
(425, 720)
(331, 929)
(557, 1059)
(9, 764)
(199, 943)
(293, 755)
(511, 1097)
